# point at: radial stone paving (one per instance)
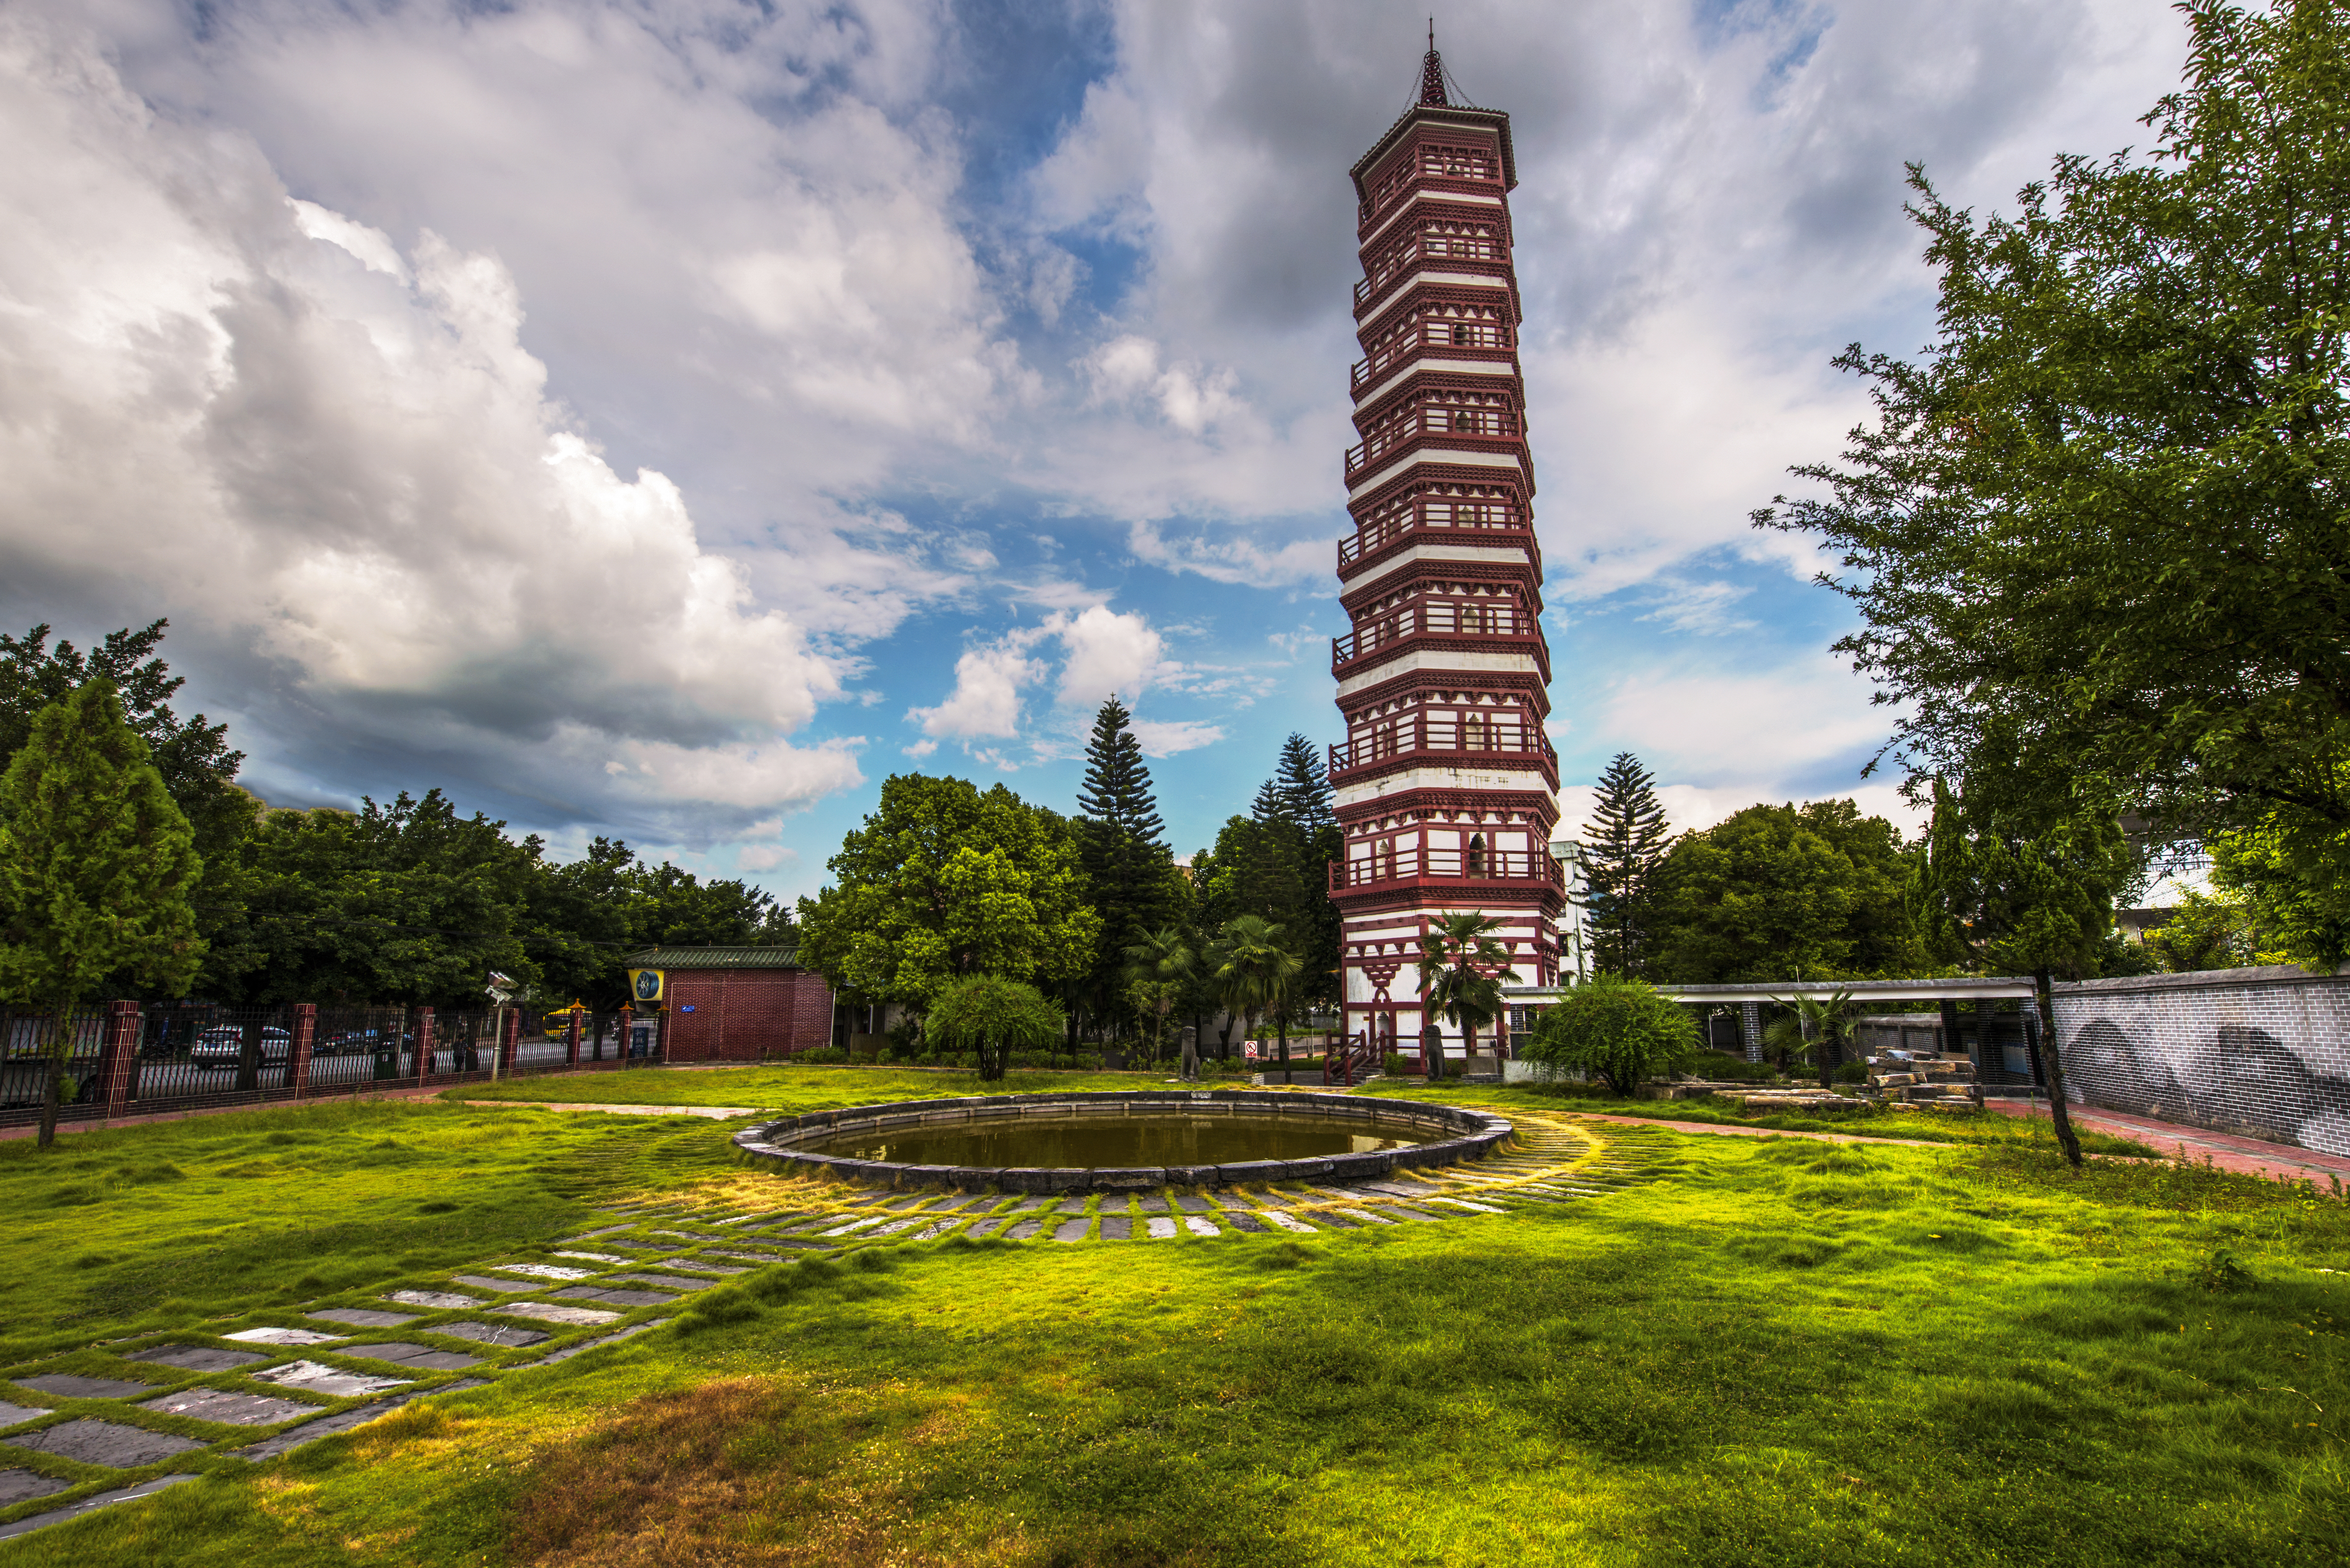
(229, 1409)
(284, 1337)
(444, 1300)
(197, 1357)
(105, 1443)
(616, 1298)
(510, 1286)
(99, 1499)
(543, 1312)
(17, 1415)
(66, 1386)
(665, 1281)
(23, 1486)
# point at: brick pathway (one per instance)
(2246, 1155)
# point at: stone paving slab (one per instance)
(362, 1317)
(597, 1257)
(1365, 1216)
(284, 1337)
(547, 1271)
(442, 1300)
(617, 1298)
(1152, 1203)
(327, 1426)
(1192, 1203)
(1199, 1227)
(197, 1357)
(333, 1380)
(228, 1409)
(1116, 1228)
(99, 1499)
(664, 1282)
(405, 1354)
(490, 1332)
(481, 1283)
(696, 1266)
(568, 1351)
(854, 1226)
(22, 1486)
(1241, 1219)
(71, 1385)
(937, 1228)
(1021, 1232)
(542, 1311)
(17, 1415)
(108, 1443)
(1297, 1226)
(1160, 1227)
(985, 1228)
(1072, 1229)
(1337, 1221)
(755, 1257)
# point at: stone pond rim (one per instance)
(1460, 1134)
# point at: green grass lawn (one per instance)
(790, 1089)
(1778, 1352)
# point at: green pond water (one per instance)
(1082, 1141)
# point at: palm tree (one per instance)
(1827, 1023)
(1156, 967)
(1461, 968)
(1255, 973)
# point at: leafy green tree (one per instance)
(1785, 892)
(96, 866)
(1256, 972)
(1128, 865)
(1625, 1032)
(1461, 968)
(2205, 932)
(1302, 786)
(2105, 510)
(2021, 881)
(1622, 846)
(1298, 806)
(943, 881)
(2291, 874)
(992, 1017)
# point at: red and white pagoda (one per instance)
(1447, 788)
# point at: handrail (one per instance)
(1434, 618)
(1436, 333)
(1446, 734)
(1497, 426)
(1452, 252)
(1416, 863)
(1458, 516)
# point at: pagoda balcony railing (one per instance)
(1504, 623)
(1437, 251)
(1442, 740)
(1406, 865)
(1478, 430)
(1457, 340)
(1387, 200)
(1448, 517)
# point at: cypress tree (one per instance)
(96, 865)
(1128, 863)
(1623, 844)
(1303, 784)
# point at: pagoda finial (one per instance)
(1431, 72)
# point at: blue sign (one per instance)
(686, 1008)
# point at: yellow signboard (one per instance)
(645, 984)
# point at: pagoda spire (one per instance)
(1431, 72)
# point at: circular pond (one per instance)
(1077, 1142)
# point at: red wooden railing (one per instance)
(1437, 618)
(1448, 515)
(1449, 736)
(1415, 863)
(1479, 429)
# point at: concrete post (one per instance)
(571, 1043)
(306, 1038)
(123, 1029)
(423, 1043)
(1750, 1029)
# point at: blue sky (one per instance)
(671, 418)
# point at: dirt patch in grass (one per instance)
(741, 1471)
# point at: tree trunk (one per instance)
(2046, 1055)
(1827, 1050)
(53, 1080)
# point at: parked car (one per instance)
(359, 1043)
(223, 1046)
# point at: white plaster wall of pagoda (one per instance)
(1459, 198)
(1444, 662)
(1523, 780)
(1430, 454)
(1511, 546)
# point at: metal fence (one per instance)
(124, 1059)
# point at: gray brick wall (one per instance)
(2265, 1053)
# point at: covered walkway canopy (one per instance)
(1749, 999)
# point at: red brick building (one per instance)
(740, 1004)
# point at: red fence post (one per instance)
(306, 1037)
(123, 1029)
(571, 1043)
(510, 1039)
(423, 1043)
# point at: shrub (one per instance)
(822, 1056)
(1853, 1073)
(1396, 1064)
(1624, 1030)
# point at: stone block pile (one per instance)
(1924, 1078)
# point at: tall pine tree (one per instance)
(1128, 865)
(1622, 844)
(1298, 826)
(1304, 785)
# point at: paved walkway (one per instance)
(2246, 1155)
